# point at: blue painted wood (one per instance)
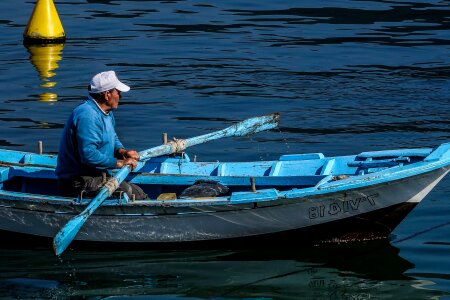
(33, 172)
(244, 169)
(10, 155)
(306, 156)
(174, 179)
(328, 167)
(33, 158)
(275, 170)
(253, 125)
(259, 195)
(298, 168)
(379, 163)
(4, 173)
(233, 174)
(325, 180)
(421, 152)
(441, 152)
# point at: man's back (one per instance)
(88, 142)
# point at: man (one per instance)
(89, 143)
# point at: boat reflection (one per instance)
(361, 270)
(45, 59)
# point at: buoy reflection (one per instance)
(45, 59)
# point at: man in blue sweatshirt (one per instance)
(89, 143)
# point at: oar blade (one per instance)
(68, 232)
(257, 124)
(66, 235)
(243, 128)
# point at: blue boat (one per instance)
(308, 196)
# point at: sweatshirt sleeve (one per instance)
(89, 137)
(117, 143)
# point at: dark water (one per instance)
(346, 76)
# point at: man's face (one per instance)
(112, 98)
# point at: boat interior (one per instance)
(31, 173)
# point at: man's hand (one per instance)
(128, 154)
(127, 161)
(132, 154)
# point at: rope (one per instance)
(177, 145)
(111, 185)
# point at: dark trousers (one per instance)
(89, 186)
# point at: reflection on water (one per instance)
(363, 271)
(45, 59)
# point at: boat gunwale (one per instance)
(356, 183)
(386, 175)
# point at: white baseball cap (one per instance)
(106, 81)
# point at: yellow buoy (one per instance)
(44, 25)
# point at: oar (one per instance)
(253, 125)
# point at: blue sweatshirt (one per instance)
(88, 142)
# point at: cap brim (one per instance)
(122, 87)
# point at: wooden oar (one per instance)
(253, 125)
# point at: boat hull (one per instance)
(158, 223)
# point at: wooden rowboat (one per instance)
(318, 198)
